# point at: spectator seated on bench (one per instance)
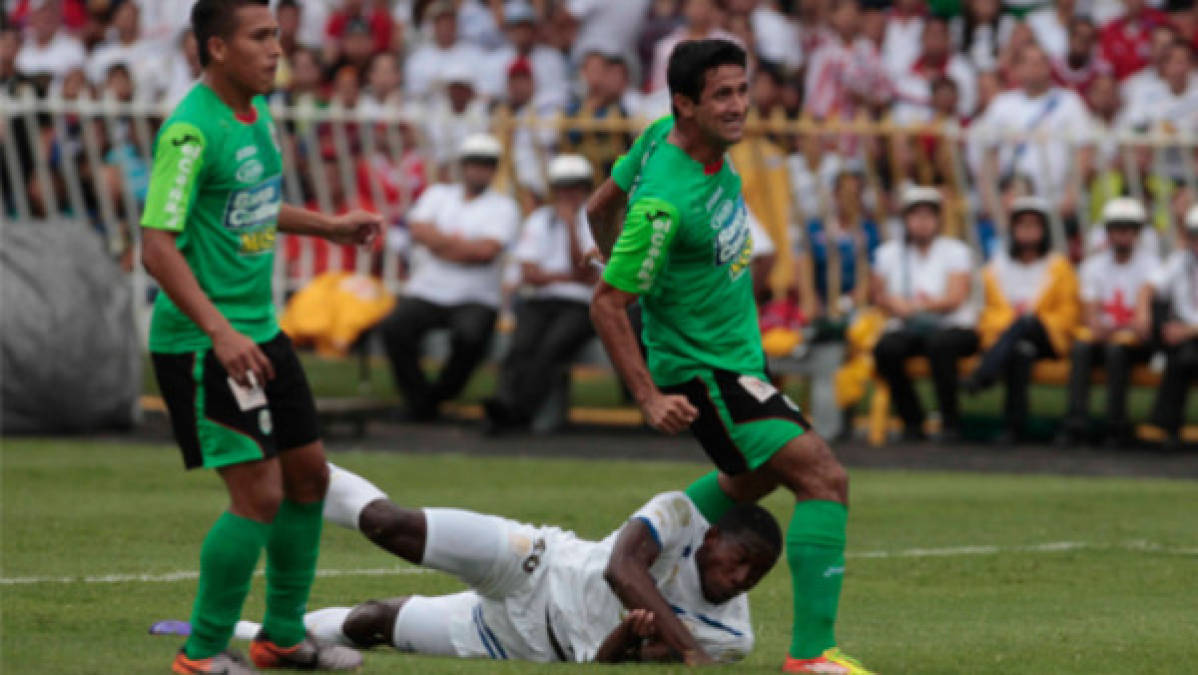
(922, 284)
(1177, 285)
(459, 232)
(1030, 311)
(1114, 283)
(553, 320)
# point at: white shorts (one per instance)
(503, 616)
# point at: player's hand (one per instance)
(642, 623)
(356, 227)
(240, 357)
(669, 413)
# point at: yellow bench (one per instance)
(1054, 372)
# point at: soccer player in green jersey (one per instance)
(684, 253)
(238, 399)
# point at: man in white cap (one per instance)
(553, 320)
(1031, 311)
(456, 115)
(1113, 283)
(459, 232)
(922, 281)
(1177, 285)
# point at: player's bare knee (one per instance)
(260, 503)
(811, 471)
(372, 623)
(307, 483)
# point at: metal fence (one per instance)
(89, 160)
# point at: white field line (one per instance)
(946, 552)
(190, 575)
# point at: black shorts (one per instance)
(743, 420)
(210, 425)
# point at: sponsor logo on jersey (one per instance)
(250, 172)
(730, 220)
(265, 423)
(247, 151)
(176, 197)
(660, 222)
(252, 212)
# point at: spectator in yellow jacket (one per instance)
(1030, 311)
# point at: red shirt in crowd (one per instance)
(381, 27)
(1125, 41)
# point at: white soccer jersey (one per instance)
(583, 611)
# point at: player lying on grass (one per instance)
(664, 584)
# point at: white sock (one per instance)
(348, 494)
(325, 625)
(246, 630)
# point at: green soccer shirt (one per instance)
(216, 181)
(685, 249)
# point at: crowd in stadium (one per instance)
(1091, 248)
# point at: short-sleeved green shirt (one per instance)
(686, 250)
(217, 182)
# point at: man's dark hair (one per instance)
(753, 526)
(292, 4)
(216, 18)
(690, 61)
(944, 81)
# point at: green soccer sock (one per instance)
(291, 554)
(227, 560)
(815, 551)
(709, 497)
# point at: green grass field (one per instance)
(1120, 598)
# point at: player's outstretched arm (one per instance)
(603, 215)
(355, 227)
(628, 575)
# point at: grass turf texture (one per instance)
(74, 508)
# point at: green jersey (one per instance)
(685, 249)
(217, 182)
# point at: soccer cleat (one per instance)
(309, 654)
(224, 663)
(831, 662)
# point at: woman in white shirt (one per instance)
(922, 282)
(553, 320)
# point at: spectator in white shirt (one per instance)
(383, 80)
(1050, 25)
(914, 87)
(1035, 129)
(48, 50)
(1150, 79)
(614, 25)
(459, 232)
(904, 26)
(980, 32)
(1113, 284)
(144, 59)
(1176, 285)
(844, 70)
(774, 34)
(553, 320)
(922, 282)
(549, 73)
(703, 19)
(425, 68)
(1173, 106)
(455, 115)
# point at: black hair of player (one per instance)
(216, 18)
(690, 62)
(1045, 241)
(753, 526)
(288, 4)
